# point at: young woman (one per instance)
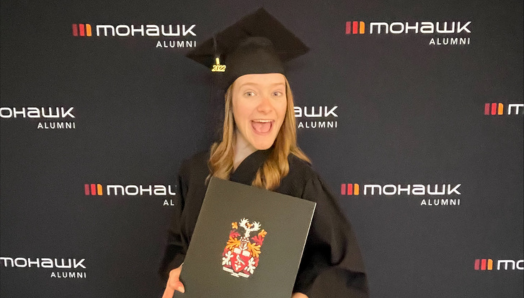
(259, 148)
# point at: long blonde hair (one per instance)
(276, 165)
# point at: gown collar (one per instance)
(247, 169)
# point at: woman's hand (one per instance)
(299, 295)
(174, 283)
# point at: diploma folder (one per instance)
(247, 242)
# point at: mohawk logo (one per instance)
(350, 189)
(36, 112)
(132, 30)
(377, 28)
(355, 27)
(487, 265)
(93, 189)
(498, 109)
(88, 30)
(128, 190)
(41, 262)
(49, 263)
(359, 27)
(326, 114)
(483, 264)
(392, 189)
(42, 113)
(82, 30)
(354, 189)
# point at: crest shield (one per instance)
(242, 252)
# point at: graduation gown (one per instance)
(331, 242)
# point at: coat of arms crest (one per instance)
(240, 257)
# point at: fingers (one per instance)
(168, 293)
(180, 287)
(173, 283)
(171, 287)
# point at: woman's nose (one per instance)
(265, 105)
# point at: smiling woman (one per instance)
(259, 148)
(258, 114)
(259, 107)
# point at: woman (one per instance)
(258, 148)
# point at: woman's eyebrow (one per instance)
(255, 84)
(247, 84)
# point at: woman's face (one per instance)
(259, 108)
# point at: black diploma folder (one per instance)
(247, 242)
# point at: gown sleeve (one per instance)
(177, 242)
(331, 243)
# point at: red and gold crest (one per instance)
(242, 252)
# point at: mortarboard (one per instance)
(256, 44)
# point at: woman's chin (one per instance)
(263, 144)
(263, 147)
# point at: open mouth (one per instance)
(262, 126)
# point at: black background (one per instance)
(408, 113)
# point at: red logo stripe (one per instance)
(477, 264)
(483, 264)
(75, 30)
(486, 109)
(355, 27)
(82, 29)
(343, 189)
(493, 109)
(86, 189)
(350, 189)
(93, 189)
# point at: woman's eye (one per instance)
(277, 93)
(249, 93)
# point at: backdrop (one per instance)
(411, 110)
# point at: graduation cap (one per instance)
(256, 44)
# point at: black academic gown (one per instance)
(331, 242)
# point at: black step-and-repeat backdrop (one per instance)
(411, 110)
